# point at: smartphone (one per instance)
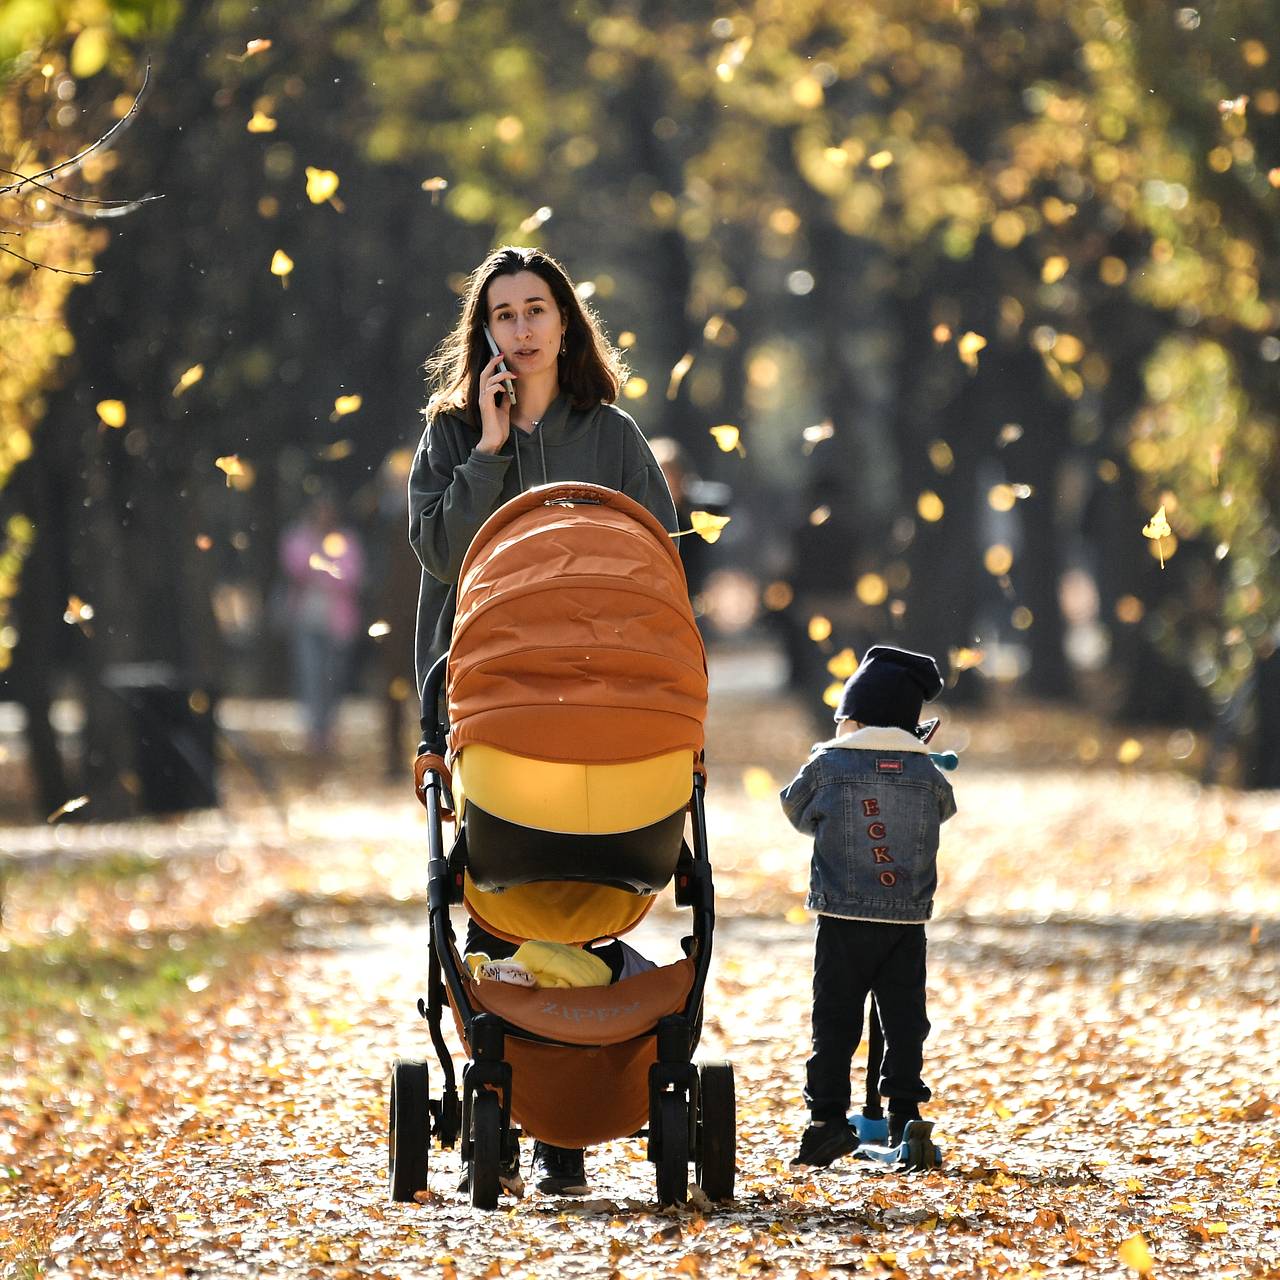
(502, 368)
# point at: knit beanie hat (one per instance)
(889, 688)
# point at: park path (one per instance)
(1103, 974)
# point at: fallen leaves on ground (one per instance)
(1102, 975)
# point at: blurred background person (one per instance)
(323, 563)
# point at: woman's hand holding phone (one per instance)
(495, 405)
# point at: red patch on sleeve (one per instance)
(888, 766)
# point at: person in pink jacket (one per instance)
(324, 564)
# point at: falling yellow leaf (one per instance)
(1054, 269)
(203, 542)
(379, 629)
(797, 915)
(727, 437)
(819, 628)
(1157, 529)
(260, 122)
(965, 659)
(189, 379)
(336, 451)
(1133, 1252)
(435, 186)
(536, 219)
(321, 184)
(344, 405)
(678, 371)
(626, 340)
(816, 434)
(968, 345)
(112, 412)
(881, 160)
(1129, 751)
(281, 265)
(334, 545)
(844, 664)
(255, 47)
(636, 388)
(78, 613)
(321, 565)
(715, 326)
(941, 333)
(69, 807)
(1010, 433)
(232, 467)
(832, 694)
(707, 526)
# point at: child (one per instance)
(873, 802)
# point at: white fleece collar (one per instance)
(873, 737)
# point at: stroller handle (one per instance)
(433, 725)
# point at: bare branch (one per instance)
(44, 266)
(63, 195)
(73, 163)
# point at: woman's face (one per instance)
(525, 322)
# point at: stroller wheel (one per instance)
(714, 1155)
(408, 1129)
(673, 1149)
(486, 1146)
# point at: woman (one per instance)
(480, 450)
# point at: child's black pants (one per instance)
(852, 958)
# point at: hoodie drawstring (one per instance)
(542, 449)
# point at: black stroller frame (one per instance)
(691, 1107)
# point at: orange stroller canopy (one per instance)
(574, 639)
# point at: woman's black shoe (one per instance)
(559, 1171)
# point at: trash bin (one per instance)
(173, 736)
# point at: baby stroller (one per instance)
(576, 688)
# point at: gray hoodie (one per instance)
(453, 490)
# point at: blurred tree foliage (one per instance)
(1011, 263)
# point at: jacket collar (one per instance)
(876, 738)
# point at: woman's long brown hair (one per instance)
(590, 369)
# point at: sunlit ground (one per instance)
(1103, 965)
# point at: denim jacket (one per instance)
(873, 802)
